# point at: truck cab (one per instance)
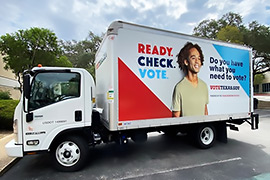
(54, 101)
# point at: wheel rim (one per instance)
(68, 153)
(207, 135)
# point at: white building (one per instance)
(264, 87)
(8, 81)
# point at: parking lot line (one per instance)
(180, 168)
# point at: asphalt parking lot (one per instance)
(245, 156)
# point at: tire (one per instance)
(70, 153)
(205, 136)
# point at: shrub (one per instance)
(5, 95)
(7, 108)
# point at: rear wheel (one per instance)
(70, 153)
(205, 136)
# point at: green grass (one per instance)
(7, 108)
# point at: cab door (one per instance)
(55, 103)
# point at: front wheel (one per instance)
(70, 153)
(205, 136)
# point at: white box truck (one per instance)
(147, 80)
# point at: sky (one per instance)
(74, 19)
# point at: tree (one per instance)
(230, 28)
(62, 61)
(258, 79)
(25, 49)
(82, 54)
(258, 37)
(230, 34)
(231, 19)
(210, 28)
(207, 28)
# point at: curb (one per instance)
(8, 166)
(6, 162)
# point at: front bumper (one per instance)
(13, 149)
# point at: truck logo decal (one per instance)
(35, 133)
(103, 58)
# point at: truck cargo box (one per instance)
(137, 71)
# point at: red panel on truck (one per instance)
(136, 100)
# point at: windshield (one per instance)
(48, 88)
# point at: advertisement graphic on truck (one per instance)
(147, 68)
(225, 72)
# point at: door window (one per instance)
(49, 88)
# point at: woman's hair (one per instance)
(184, 53)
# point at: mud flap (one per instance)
(254, 121)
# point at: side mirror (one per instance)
(26, 86)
